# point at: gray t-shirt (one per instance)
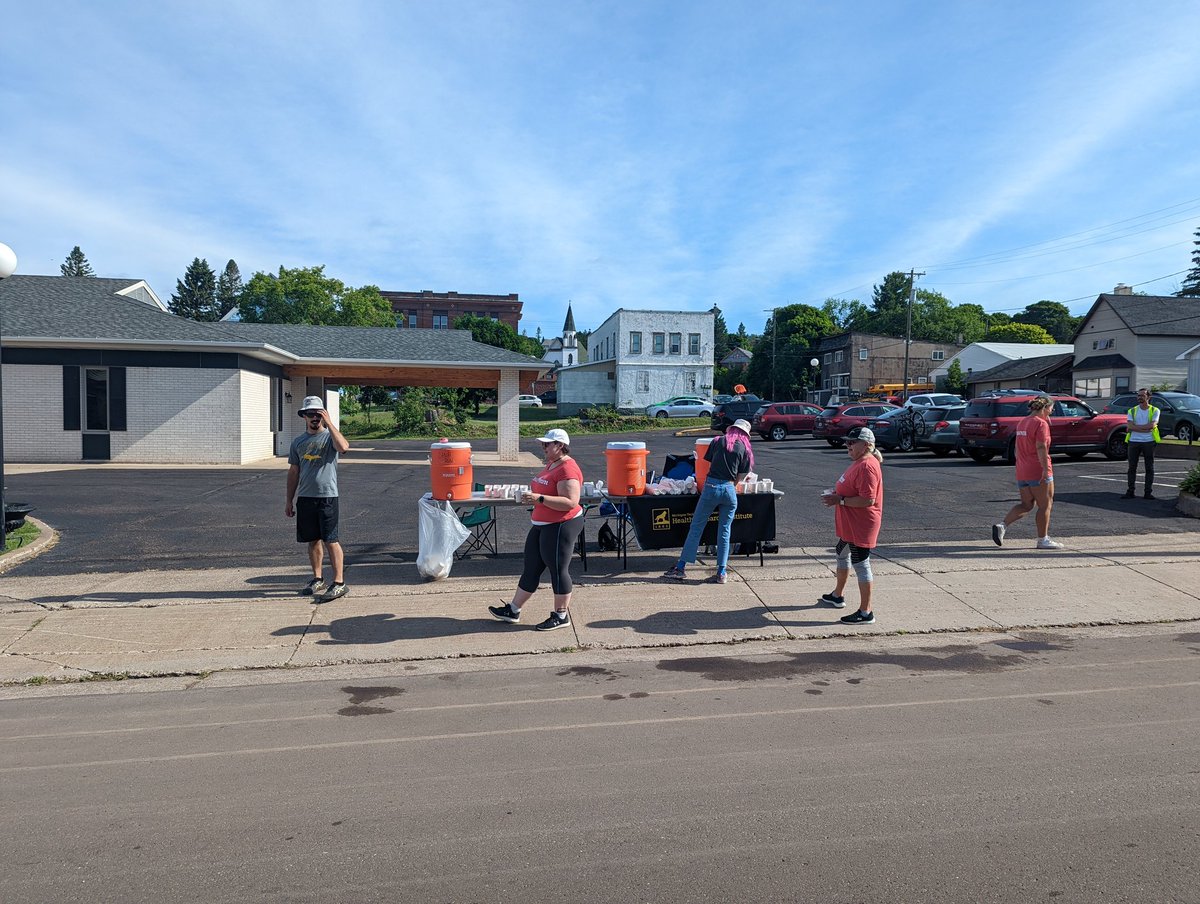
(317, 458)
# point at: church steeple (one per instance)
(569, 325)
(570, 352)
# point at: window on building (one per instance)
(659, 343)
(693, 345)
(1122, 385)
(838, 357)
(96, 397)
(690, 382)
(939, 355)
(676, 343)
(862, 354)
(1094, 387)
(643, 381)
(570, 360)
(635, 343)
(441, 320)
(412, 318)
(1102, 344)
(828, 358)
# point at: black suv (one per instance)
(743, 407)
(1178, 412)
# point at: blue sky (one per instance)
(617, 154)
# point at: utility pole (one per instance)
(912, 295)
(772, 312)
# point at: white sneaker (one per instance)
(1047, 543)
(998, 533)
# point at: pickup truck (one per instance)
(742, 407)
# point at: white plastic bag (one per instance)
(439, 533)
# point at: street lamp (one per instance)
(8, 266)
(814, 364)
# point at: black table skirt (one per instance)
(662, 522)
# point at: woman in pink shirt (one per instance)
(858, 499)
(1035, 475)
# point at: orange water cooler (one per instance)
(702, 463)
(450, 473)
(626, 468)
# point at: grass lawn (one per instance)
(22, 536)
(534, 422)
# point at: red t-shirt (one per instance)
(860, 526)
(1030, 431)
(546, 484)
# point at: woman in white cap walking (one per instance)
(731, 459)
(557, 520)
(858, 503)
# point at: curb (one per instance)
(46, 539)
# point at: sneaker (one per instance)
(1128, 494)
(336, 590)
(830, 599)
(675, 573)
(1047, 543)
(506, 613)
(859, 618)
(1149, 496)
(315, 587)
(998, 531)
(718, 578)
(554, 622)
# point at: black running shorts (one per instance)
(316, 519)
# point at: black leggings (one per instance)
(550, 546)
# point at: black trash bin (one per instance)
(14, 515)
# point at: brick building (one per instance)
(438, 310)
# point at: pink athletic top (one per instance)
(860, 526)
(1029, 431)
(546, 484)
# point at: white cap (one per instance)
(311, 403)
(743, 425)
(557, 435)
(860, 435)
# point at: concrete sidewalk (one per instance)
(194, 622)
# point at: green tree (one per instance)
(742, 339)
(1191, 282)
(76, 264)
(501, 335)
(372, 396)
(721, 344)
(307, 295)
(1021, 332)
(956, 380)
(1052, 316)
(196, 294)
(780, 366)
(846, 314)
(229, 289)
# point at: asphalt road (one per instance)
(1044, 767)
(127, 519)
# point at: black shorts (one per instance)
(316, 519)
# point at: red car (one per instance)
(781, 419)
(834, 422)
(988, 427)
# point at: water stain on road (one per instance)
(954, 658)
(360, 696)
(584, 671)
(1035, 643)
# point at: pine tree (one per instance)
(229, 289)
(76, 264)
(196, 294)
(1191, 282)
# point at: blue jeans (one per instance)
(722, 496)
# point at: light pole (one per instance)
(8, 266)
(814, 364)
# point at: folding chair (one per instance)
(481, 519)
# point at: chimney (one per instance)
(1122, 289)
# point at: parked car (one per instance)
(549, 397)
(529, 401)
(988, 428)
(779, 420)
(722, 399)
(743, 407)
(832, 424)
(1178, 412)
(933, 400)
(941, 436)
(896, 429)
(682, 406)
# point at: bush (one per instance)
(606, 419)
(1191, 483)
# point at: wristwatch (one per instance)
(541, 500)
(841, 500)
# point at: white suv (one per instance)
(936, 400)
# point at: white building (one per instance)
(980, 356)
(564, 351)
(638, 358)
